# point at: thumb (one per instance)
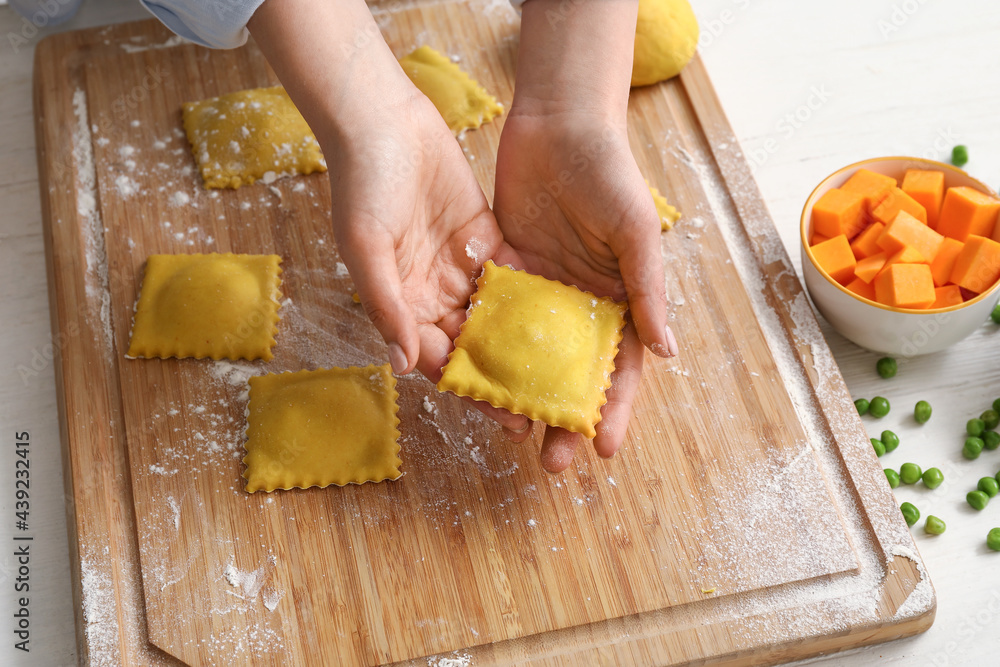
(637, 246)
(372, 264)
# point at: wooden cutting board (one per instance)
(745, 521)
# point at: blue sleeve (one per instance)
(220, 24)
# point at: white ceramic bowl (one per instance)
(896, 331)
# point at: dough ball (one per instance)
(666, 36)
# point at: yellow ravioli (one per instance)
(217, 306)
(317, 428)
(464, 104)
(668, 214)
(538, 348)
(250, 135)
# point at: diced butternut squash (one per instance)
(908, 255)
(838, 212)
(977, 266)
(861, 288)
(905, 286)
(866, 243)
(943, 264)
(873, 187)
(926, 186)
(968, 212)
(905, 230)
(817, 239)
(868, 268)
(835, 257)
(947, 296)
(897, 201)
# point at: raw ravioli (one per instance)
(668, 214)
(464, 104)
(250, 135)
(221, 306)
(317, 428)
(538, 348)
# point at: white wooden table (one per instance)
(808, 87)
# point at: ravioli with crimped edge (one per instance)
(464, 104)
(538, 348)
(250, 135)
(217, 306)
(317, 428)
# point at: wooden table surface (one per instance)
(807, 89)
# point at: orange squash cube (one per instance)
(897, 201)
(817, 239)
(907, 255)
(947, 296)
(835, 257)
(873, 187)
(866, 243)
(977, 267)
(926, 186)
(905, 286)
(869, 267)
(838, 212)
(968, 212)
(861, 288)
(905, 230)
(943, 264)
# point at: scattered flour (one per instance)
(475, 249)
(179, 198)
(86, 205)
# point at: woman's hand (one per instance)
(569, 197)
(411, 222)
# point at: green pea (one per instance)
(886, 367)
(991, 419)
(973, 448)
(975, 427)
(991, 440)
(910, 513)
(996, 403)
(997, 477)
(995, 316)
(922, 412)
(878, 446)
(893, 477)
(993, 539)
(933, 478)
(959, 155)
(890, 440)
(862, 405)
(879, 407)
(989, 486)
(977, 500)
(909, 473)
(934, 525)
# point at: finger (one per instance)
(451, 323)
(617, 411)
(521, 435)
(505, 254)
(636, 244)
(434, 348)
(558, 447)
(371, 261)
(517, 428)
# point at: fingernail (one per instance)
(397, 359)
(527, 425)
(672, 348)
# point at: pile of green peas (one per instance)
(981, 433)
